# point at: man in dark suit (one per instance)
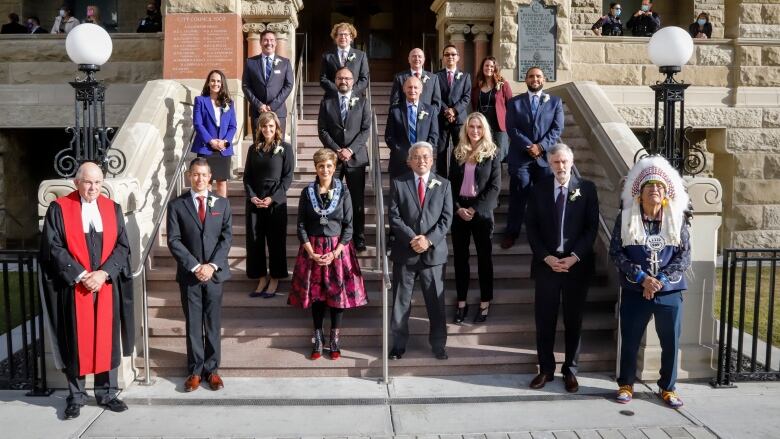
(13, 26)
(267, 82)
(343, 55)
(343, 123)
(430, 94)
(455, 89)
(199, 237)
(562, 222)
(420, 215)
(408, 122)
(34, 25)
(534, 123)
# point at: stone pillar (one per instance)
(253, 31)
(453, 22)
(481, 50)
(697, 341)
(285, 39)
(457, 37)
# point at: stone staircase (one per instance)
(266, 337)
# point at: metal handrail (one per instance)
(141, 270)
(297, 107)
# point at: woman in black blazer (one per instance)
(475, 174)
(268, 174)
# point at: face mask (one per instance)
(62, 12)
(645, 8)
(29, 25)
(617, 12)
(701, 21)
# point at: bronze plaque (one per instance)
(198, 43)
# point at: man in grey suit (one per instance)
(199, 237)
(420, 216)
(267, 82)
(343, 124)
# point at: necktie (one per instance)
(343, 109)
(560, 202)
(412, 113)
(534, 104)
(202, 208)
(268, 63)
(449, 79)
(417, 75)
(343, 57)
(421, 191)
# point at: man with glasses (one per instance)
(455, 90)
(610, 24)
(410, 121)
(343, 124)
(341, 56)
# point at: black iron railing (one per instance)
(24, 363)
(747, 305)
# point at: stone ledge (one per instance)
(125, 191)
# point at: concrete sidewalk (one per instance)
(488, 406)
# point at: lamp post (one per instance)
(669, 49)
(89, 46)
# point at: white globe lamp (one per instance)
(670, 48)
(89, 46)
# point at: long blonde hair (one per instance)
(486, 148)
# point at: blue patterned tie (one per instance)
(268, 63)
(534, 104)
(343, 109)
(412, 113)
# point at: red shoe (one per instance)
(318, 340)
(335, 349)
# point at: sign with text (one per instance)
(195, 44)
(537, 31)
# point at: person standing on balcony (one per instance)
(489, 97)
(152, 22)
(64, 22)
(408, 122)
(214, 121)
(344, 123)
(13, 26)
(34, 25)
(610, 24)
(268, 174)
(651, 248)
(701, 28)
(326, 275)
(562, 224)
(534, 122)
(344, 56)
(475, 173)
(455, 89)
(199, 226)
(87, 280)
(644, 22)
(267, 82)
(430, 93)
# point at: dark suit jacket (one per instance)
(13, 28)
(457, 97)
(353, 134)
(524, 129)
(580, 221)
(204, 122)
(502, 97)
(431, 93)
(397, 133)
(487, 175)
(408, 220)
(39, 30)
(358, 66)
(192, 243)
(272, 93)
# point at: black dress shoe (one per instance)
(460, 314)
(395, 354)
(482, 315)
(115, 405)
(72, 411)
(570, 383)
(441, 355)
(540, 380)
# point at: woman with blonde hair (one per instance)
(475, 175)
(268, 174)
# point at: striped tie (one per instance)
(343, 109)
(412, 113)
(268, 63)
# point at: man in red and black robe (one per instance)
(85, 260)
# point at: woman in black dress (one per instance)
(489, 96)
(268, 174)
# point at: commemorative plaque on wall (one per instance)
(197, 43)
(537, 33)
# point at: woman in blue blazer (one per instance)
(214, 120)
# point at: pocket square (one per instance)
(216, 213)
(277, 72)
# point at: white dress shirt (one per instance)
(90, 215)
(217, 112)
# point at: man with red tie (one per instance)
(199, 237)
(85, 257)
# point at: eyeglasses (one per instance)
(342, 78)
(420, 158)
(450, 54)
(343, 34)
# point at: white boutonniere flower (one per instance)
(422, 114)
(545, 98)
(351, 57)
(425, 79)
(459, 75)
(278, 150)
(353, 101)
(499, 84)
(212, 199)
(574, 195)
(433, 183)
(226, 108)
(277, 61)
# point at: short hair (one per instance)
(343, 68)
(448, 46)
(532, 68)
(613, 4)
(324, 154)
(199, 161)
(13, 17)
(411, 78)
(267, 31)
(335, 30)
(559, 148)
(80, 170)
(34, 19)
(417, 146)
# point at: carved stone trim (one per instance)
(125, 191)
(282, 27)
(478, 29)
(257, 10)
(458, 28)
(706, 195)
(253, 28)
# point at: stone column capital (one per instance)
(253, 28)
(271, 10)
(457, 29)
(282, 27)
(481, 31)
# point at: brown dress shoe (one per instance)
(215, 382)
(507, 242)
(540, 380)
(570, 382)
(192, 383)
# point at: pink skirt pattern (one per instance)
(339, 285)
